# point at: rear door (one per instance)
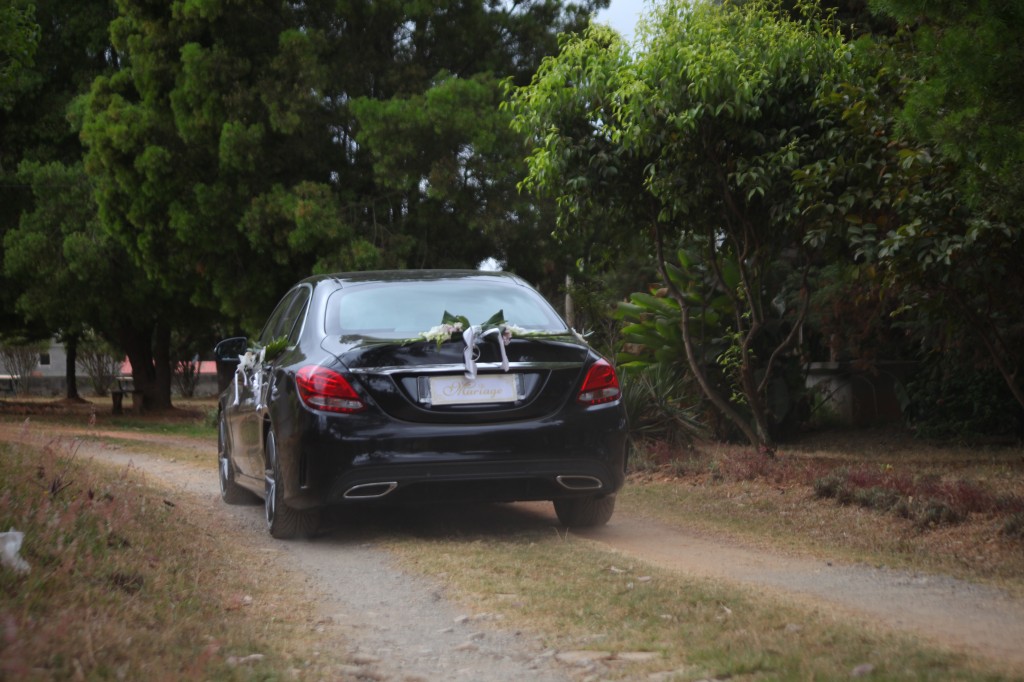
(253, 383)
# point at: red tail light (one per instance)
(324, 389)
(600, 386)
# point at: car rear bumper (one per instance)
(495, 482)
(340, 460)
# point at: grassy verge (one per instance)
(111, 553)
(125, 583)
(190, 418)
(583, 598)
(905, 505)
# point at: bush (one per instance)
(99, 361)
(832, 486)
(186, 377)
(20, 357)
(926, 501)
(934, 513)
(1014, 526)
(661, 404)
(953, 398)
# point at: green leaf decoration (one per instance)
(495, 320)
(276, 347)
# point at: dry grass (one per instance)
(584, 598)
(886, 487)
(127, 583)
(125, 586)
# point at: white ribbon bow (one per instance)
(247, 362)
(472, 337)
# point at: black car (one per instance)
(417, 386)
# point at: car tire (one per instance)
(585, 512)
(283, 522)
(230, 491)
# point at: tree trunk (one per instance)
(758, 440)
(145, 347)
(160, 399)
(70, 369)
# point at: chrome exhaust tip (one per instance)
(579, 482)
(369, 491)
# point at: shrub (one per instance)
(830, 485)
(661, 404)
(1013, 527)
(99, 361)
(20, 357)
(952, 398)
(186, 377)
(934, 513)
(882, 499)
(926, 501)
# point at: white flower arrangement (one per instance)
(473, 334)
(453, 326)
(248, 362)
(442, 332)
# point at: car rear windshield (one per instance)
(407, 309)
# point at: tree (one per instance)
(39, 154)
(926, 203)
(956, 248)
(569, 115)
(34, 255)
(720, 104)
(19, 37)
(74, 277)
(229, 159)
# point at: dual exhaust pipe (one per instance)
(375, 491)
(370, 491)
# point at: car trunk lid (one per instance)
(421, 381)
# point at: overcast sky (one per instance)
(622, 15)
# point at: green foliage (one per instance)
(662, 404)
(19, 38)
(925, 179)
(571, 117)
(276, 347)
(65, 266)
(967, 103)
(652, 320)
(851, 316)
(449, 153)
(235, 150)
(694, 141)
(100, 362)
(950, 398)
(36, 106)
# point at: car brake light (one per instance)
(600, 386)
(325, 389)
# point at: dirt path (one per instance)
(980, 620)
(403, 626)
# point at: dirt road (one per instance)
(403, 628)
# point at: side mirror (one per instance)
(226, 355)
(228, 350)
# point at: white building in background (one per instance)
(49, 376)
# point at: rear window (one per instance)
(407, 309)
